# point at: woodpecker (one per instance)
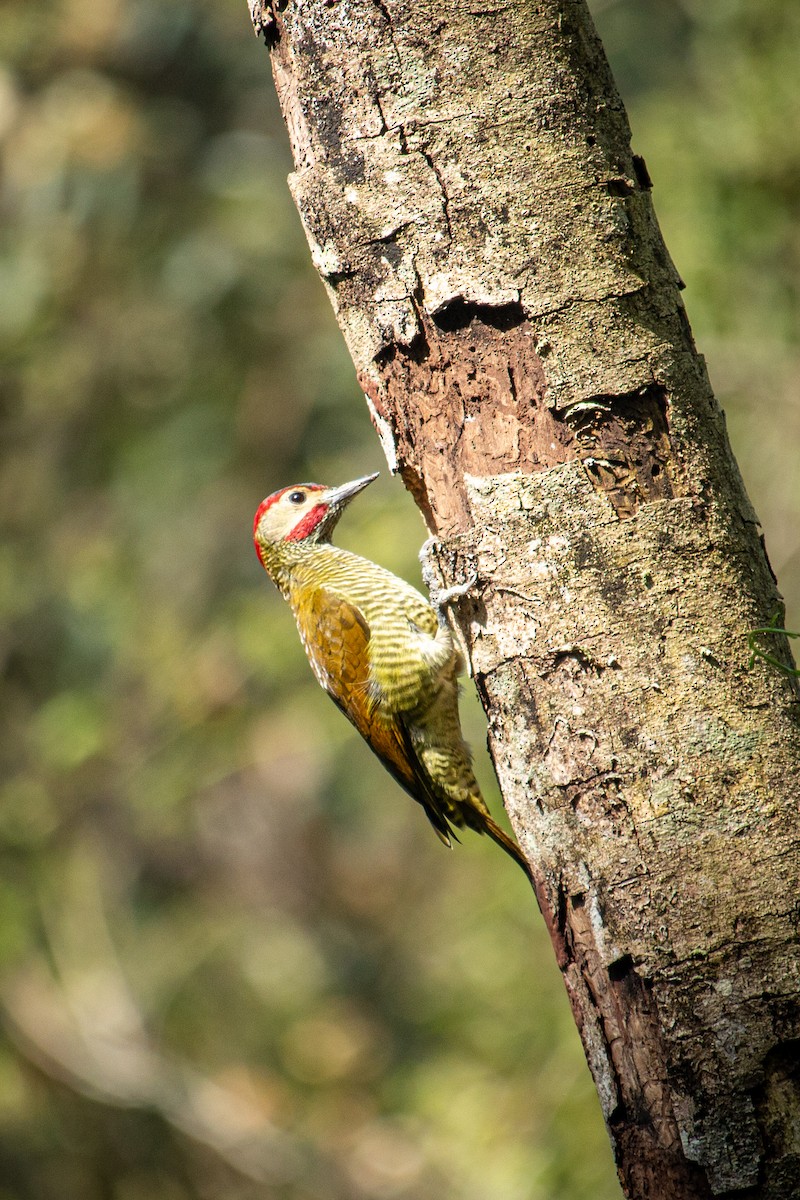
(379, 650)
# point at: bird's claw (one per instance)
(446, 596)
(440, 596)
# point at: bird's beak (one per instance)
(338, 497)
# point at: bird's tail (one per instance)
(508, 844)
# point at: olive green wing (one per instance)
(336, 638)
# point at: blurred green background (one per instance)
(234, 961)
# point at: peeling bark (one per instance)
(487, 238)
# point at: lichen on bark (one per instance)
(488, 241)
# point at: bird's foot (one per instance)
(441, 596)
(445, 596)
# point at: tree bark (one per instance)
(465, 179)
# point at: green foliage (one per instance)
(233, 960)
(770, 631)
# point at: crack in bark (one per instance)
(579, 656)
(445, 198)
(384, 11)
(379, 105)
(574, 301)
(390, 236)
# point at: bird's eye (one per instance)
(296, 497)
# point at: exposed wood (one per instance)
(465, 179)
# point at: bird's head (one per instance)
(303, 513)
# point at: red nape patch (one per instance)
(262, 508)
(308, 524)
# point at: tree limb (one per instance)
(487, 238)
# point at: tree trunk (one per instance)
(465, 179)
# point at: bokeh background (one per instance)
(234, 962)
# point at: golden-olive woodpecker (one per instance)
(378, 649)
